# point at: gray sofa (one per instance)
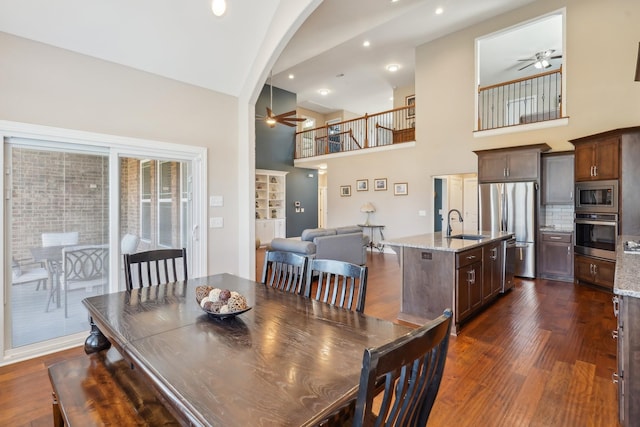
(342, 243)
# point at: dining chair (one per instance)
(338, 283)
(411, 368)
(149, 267)
(284, 271)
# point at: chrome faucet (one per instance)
(449, 220)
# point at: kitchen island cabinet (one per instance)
(626, 306)
(440, 272)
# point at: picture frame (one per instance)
(380, 184)
(400, 189)
(345, 191)
(362, 185)
(411, 101)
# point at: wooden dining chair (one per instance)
(155, 267)
(410, 369)
(338, 283)
(284, 271)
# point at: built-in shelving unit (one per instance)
(270, 205)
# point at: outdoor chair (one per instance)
(284, 271)
(154, 267)
(84, 267)
(27, 271)
(338, 283)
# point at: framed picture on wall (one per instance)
(380, 184)
(400, 189)
(411, 101)
(345, 190)
(362, 185)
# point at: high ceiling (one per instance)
(184, 41)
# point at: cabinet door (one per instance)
(557, 255)
(264, 231)
(583, 268)
(280, 228)
(475, 285)
(491, 271)
(607, 158)
(557, 180)
(523, 165)
(463, 303)
(604, 273)
(492, 167)
(584, 161)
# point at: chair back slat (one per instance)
(284, 271)
(411, 368)
(152, 264)
(338, 283)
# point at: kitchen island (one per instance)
(626, 306)
(439, 272)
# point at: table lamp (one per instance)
(368, 208)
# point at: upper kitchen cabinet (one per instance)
(557, 178)
(597, 157)
(510, 164)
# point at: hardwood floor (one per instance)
(541, 355)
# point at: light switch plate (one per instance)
(216, 222)
(216, 201)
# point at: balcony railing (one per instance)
(375, 130)
(528, 100)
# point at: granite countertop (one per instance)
(439, 242)
(557, 228)
(627, 277)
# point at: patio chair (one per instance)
(151, 265)
(129, 243)
(27, 271)
(84, 267)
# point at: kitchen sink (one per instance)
(468, 236)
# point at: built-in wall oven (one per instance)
(596, 234)
(597, 196)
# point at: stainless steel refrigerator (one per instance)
(511, 207)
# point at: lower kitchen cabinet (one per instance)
(493, 268)
(627, 310)
(556, 256)
(468, 282)
(595, 271)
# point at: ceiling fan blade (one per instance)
(293, 119)
(269, 112)
(555, 57)
(526, 66)
(528, 59)
(288, 113)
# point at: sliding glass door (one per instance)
(71, 211)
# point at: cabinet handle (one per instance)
(595, 171)
(504, 172)
(595, 269)
(570, 195)
(614, 334)
(569, 249)
(614, 377)
(470, 277)
(471, 257)
(507, 171)
(616, 306)
(555, 237)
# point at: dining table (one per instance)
(287, 361)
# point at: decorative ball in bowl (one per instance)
(221, 303)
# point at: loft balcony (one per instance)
(533, 99)
(369, 131)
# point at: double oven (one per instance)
(596, 218)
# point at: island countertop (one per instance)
(627, 276)
(439, 242)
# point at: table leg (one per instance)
(96, 341)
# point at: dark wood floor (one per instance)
(541, 355)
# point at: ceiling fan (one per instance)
(540, 59)
(271, 119)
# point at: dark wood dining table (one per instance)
(289, 361)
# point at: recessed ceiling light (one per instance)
(324, 92)
(366, 43)
(439, 11)
(393, 67)
(391, 99)
(394, 1)
(291, 76)
(218, 7)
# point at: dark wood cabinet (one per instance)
(556, 256)
(597, 159)
(594, 270)
(557, 178)
(510, 164)
(493, 264)
(468, 282)
(627, 310)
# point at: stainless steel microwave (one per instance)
(597, 196)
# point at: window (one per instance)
(145, 200)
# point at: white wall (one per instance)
(44, 85)
(598, 98)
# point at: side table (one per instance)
(372, 228)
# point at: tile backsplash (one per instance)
(559, 215)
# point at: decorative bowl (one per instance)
(220, 303)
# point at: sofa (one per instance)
(342, 243)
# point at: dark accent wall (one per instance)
(275, 149)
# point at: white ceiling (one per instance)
(183, 40)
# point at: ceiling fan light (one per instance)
(538, 65)
(545, 63)
(270, 121)
(218, 7)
